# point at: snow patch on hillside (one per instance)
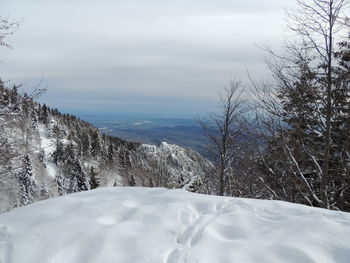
(47, 144)
(52, 170)
(159, 225)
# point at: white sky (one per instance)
(141, 56)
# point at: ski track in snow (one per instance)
(197, 223)
(128, 225)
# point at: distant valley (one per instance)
(183, 132)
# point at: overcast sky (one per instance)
(164, 57)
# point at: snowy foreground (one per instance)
(132, 225)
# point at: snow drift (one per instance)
(159, 225)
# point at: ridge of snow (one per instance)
(168, 226)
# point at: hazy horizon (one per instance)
(138, 57)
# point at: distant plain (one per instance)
(150, 130)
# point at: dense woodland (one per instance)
(291, 143)
(45, 153)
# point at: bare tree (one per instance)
(223, 129)
(303, 103)
(318, 23)
(7, 28)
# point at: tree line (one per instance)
(292, 141)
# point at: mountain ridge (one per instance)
(49, 153)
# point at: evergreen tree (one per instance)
(34, 119)
(95, 146)
(94, 182)
(311, 111)
(110, 154)
(73, 185)
(340, 150)
(299, 138)
(27, 182)
(41, 157)
(4, 98)
(85, 140)
(25, 104)
(44, 192)
(60, 181)
(14, 98)
(132, 181)
(68, 154)
(58, 154)
(124, 159)
(79, 179)
(44, 114)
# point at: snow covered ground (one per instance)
(132, 225)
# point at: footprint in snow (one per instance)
(130, 204)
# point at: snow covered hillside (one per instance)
(176, 166)
(44, 153)
(159, 225)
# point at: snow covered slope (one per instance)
(45, 153)
(176, 166)
(158, 225)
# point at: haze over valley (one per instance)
(150, 130)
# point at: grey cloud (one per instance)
(167, 49)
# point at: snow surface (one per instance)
(157, 225)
